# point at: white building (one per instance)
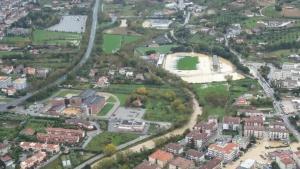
(248, 164)
(20, 83)
(227, 151)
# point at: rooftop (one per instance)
(161, 155)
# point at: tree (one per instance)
(275, 165)
(110, 149)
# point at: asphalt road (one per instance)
(86, 56)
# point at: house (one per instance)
(254, 121)
(174, 148)
(29, 70)
(181, 163)
(4, 149)
(10, 91)
(215, 163)
(5, 81)
(231, 123)
(197, 139)
(42, 72)
(147, 165)
(7, 69)
(51, 148)
(241, 101)
(8, 161)
(161, 158)
(102, 82)
(225, 151)
(256, 131)
(34, 160)
(195, 155)
(20, 83)
(285, 162)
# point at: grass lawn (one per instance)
(161, 49)
(44, 37)
(98, 143)
(271, 12)
(9, 53)
(122, 98)
(16, 40)
(8, 129)
(111, 99)
(113, 42)
(106, 109)
(187, 63)
(203, 90)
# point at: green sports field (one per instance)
(113, 42)
(187, 63)
(41, 37)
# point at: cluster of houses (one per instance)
(101, 81)
(208, 140)
(86, 103)
(11, 11)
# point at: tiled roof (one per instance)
(231, 120)
(182, 163)
(211, 164)
(194, 153)
(161, 155)
(225, 149)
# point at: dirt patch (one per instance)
(290, 11)
(120, 31)
(265, 2)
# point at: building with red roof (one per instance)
(256, 131)
(161, 158)
(147, 165)
(285, 162)
(227, 151)
(52, 148)
(215, 163)
(33, 161)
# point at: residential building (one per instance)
(197, 139)
(147, 165)
(195, 155)
(256, 131)
(181, 163)
(161, 158)
(42, 72)
(102, 82)
(29, 70)
(215, 163)
(225, 151)
(8, 161)
(231, 123)
(57, 139)
(254, 121)
(209, 128)
(5, 81)
(27, 132)
(52, 148)
(278, 134)
(33, 161)
(69, 132)
(20, 83)
(285, 162)
(174, 148)
(93, 104)
(160, 23)
(243, 142)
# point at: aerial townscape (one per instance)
(149, 84)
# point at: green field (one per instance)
(164, 49)
(106, 109)
(187, 63)
(44, 37)
(113, 42)
(9, 53)
(98, 143)
(271, 12)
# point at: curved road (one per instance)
(83, 60)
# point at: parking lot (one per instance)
(128, 114)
